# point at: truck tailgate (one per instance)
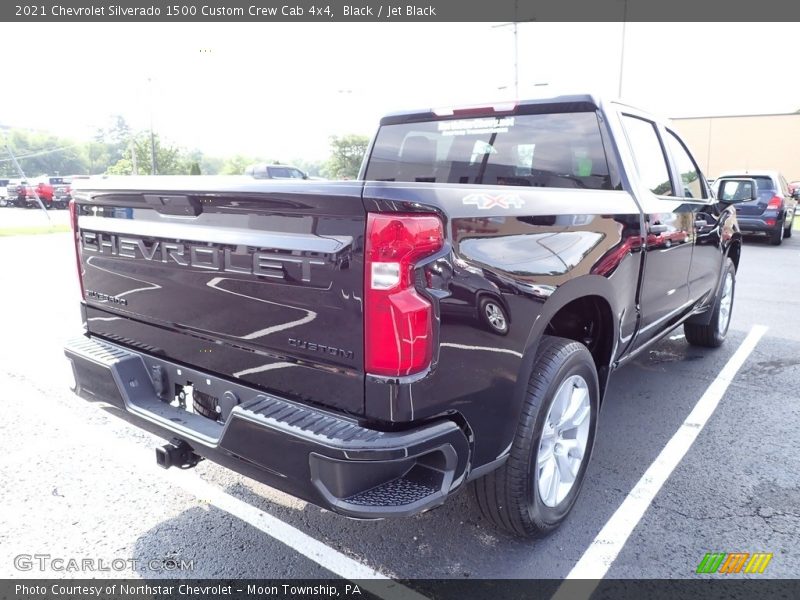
(259, 282)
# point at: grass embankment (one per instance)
(33, 230)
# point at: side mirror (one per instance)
(796, 193)
(732, 191)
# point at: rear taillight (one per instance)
(774, 203)
(76, 239)
(398, 321)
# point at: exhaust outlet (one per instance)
(177, 454)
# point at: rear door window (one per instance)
(562, 150)
(691, 178)
(651, 164)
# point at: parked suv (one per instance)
(266, 171)
(771, 213)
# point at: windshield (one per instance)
(543, 150)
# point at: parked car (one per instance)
(12, 191)
(4, 191)
(772, 212)
(338, 374)
(267, 171)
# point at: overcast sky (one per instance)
(279, 90)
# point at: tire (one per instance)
(516, 496)
(787, 233)
(713, 334)
(493, 315)
(776, 237)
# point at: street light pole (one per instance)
(153, 168)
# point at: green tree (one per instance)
(347, 152)
(40, 153)
(211, 165)
(170, 160)
(194, 169)
(235, 165)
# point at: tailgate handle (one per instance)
(169, 204)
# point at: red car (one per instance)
(54, 192)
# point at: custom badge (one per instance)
(486, 201)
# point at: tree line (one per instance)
(118, 150)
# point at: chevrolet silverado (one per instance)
(449, 320)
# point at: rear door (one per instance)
(259, 282)
(669, 233)
(694, 192)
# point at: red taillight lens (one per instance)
(76, 238)
(774, 203)
(398, 322)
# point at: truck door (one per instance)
(693, 190)
(669, 232)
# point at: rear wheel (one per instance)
(534, 491)
(787, 232)
(776, 237)
(713, 334)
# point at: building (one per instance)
(744, 142)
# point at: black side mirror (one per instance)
(732, 190)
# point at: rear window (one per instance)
(562, 150)
(763, 183)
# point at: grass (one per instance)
(35, 230)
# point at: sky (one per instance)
(279, 90)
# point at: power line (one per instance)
(40, 153)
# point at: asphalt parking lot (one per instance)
(83, 484)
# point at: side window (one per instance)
(648, 154)
(690, 175)
(784, 186)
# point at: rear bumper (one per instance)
(319, 456)
(758, 224)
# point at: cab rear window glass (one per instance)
(563, 150)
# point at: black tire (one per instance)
(497, 321)
(787, 233)
(713, 334)
(776, 237)
(510, 496)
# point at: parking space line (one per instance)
(329, 558)
(606, 546)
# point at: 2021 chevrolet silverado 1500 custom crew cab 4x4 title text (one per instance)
(453, 316)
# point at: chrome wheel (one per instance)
(725, 304)
(563, 442)
(495, 316)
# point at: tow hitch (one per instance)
(177, 454)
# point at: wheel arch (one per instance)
(558, 318)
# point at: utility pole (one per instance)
(514, 25)
(153, 168)
(622, 51)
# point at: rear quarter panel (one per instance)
(536, 250)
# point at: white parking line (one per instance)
(605, 548)
(142, 460)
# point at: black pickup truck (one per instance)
(453, 316)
